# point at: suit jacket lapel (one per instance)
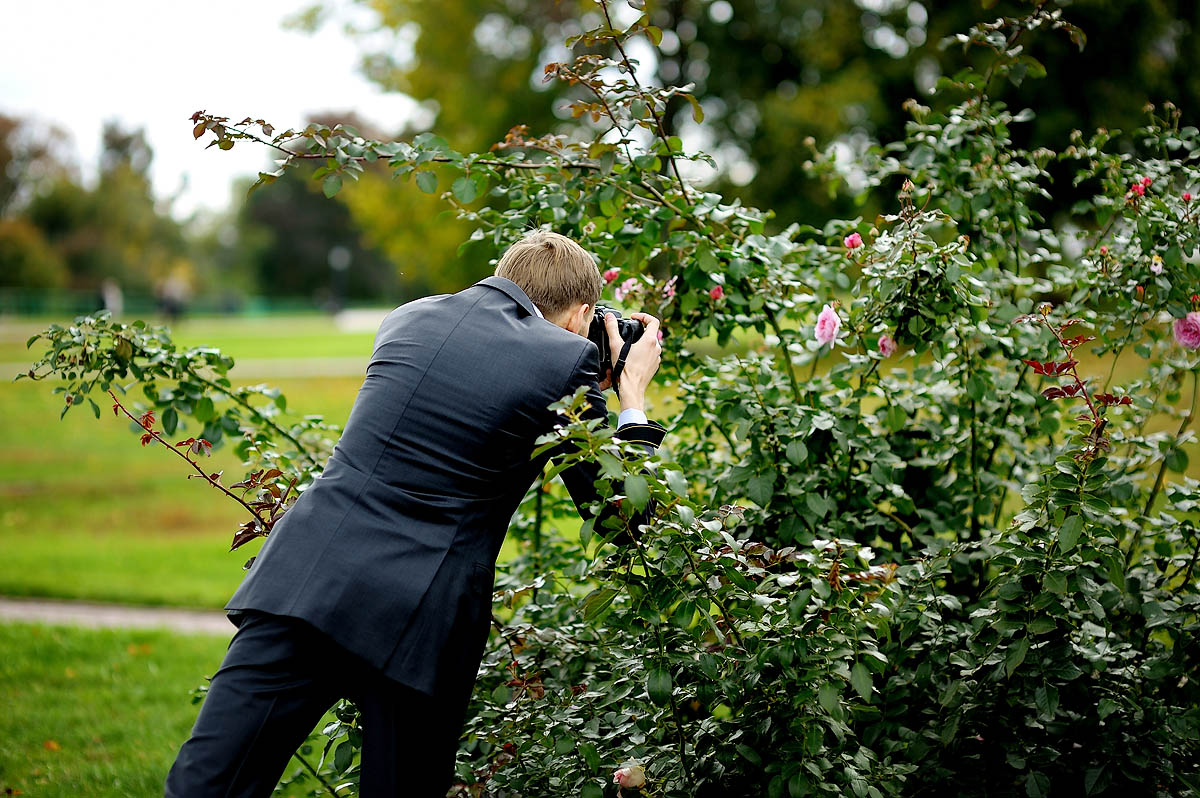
(512, 289)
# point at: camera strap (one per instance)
(619, 366)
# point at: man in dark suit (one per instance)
(376, 585)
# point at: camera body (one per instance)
(630, 329)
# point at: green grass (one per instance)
(96, 712)
(86, 512)
(244, 338)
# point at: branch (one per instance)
(117, 405)
(662, 132)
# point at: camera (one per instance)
(630, 329)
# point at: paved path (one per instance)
(86, 613)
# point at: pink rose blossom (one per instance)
(1138, 188)
(1146, 181)
(887, 345)
(828, 325)
(717, 292)
(1187, 330)
(852, 241)
(1156, 264)
(625, 288)
(1103, 250)
(1187, 196)
(611, 275)
(632, 776)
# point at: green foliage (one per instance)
(957, 566)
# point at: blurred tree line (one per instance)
(773, 76)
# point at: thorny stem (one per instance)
(783, 350)
(1162, 470)
(258, 414)
(265, 524)
(1128, 334)
(1074, 373)
(650, 105)
(662, 652)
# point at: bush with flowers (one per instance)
(913, 529)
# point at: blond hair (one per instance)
(554, 272)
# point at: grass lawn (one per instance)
(96, 712)
(86, 512)
(309, 335)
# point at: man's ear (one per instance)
(583, 318)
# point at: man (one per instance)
(376, 585)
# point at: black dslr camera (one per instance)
(631, 330)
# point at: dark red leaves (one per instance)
(1051, 369)
(1079, 340)
(1108, 399)
(116, 408)
(246, 533)
(147, 438)
(147, 420)
(1064, 391)
(196, 446)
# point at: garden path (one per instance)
(94, 615)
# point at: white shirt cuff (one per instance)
(631, 416)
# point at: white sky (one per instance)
(152, 63)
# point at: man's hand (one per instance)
(641, 363)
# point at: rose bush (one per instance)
(964, 570)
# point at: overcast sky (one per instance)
(152, 63)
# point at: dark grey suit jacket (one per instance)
(392, 550)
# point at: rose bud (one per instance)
(632, 775)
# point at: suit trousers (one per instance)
(278, 678)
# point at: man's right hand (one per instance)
(641, 363)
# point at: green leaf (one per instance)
(860, 679)
(331, 185)
(464, 189)
(597, 603)
(1056, 582)
(1177, 460)
(658, 686)
(1016, 655)
(676, 483)
(1068, 533)
(761, 488)
(170, 420)
(343, 756)
(427, 182)
(204, 410)
(829, 697)
(750, 754)
(796, 452)
(591, 790)
(637, 490)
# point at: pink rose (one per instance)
(1146, 181)
(1138, 188)
(631, 775)
(1187, 330)
(1156, 264)
(1103, 250)
(625, 288)
(828, 325)
(611, 275)
(852, 241)
(887, 345)
(717, 292)
(1187, 196)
